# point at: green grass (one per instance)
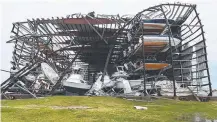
(104, 109)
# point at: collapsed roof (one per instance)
(99, 40)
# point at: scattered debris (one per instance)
(141, 108)
(154, 52)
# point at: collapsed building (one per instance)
(159, 51)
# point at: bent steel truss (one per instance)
(101, 41)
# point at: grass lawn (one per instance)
(103, 109)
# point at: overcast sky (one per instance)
(12, 11)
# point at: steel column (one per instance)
(171, 53)
(107, 61)
(143, 60)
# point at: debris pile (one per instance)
(159, 51)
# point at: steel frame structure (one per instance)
(100, 41)
(189, 58)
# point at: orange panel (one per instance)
(155, 66)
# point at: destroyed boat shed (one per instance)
(159, 51)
